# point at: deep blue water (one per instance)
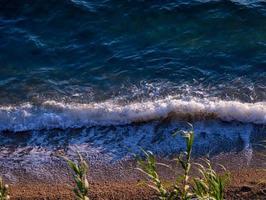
(109, 76)
(88, 51)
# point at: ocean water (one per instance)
(111, 76)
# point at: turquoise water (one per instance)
(117, 75)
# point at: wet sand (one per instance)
(122, 181)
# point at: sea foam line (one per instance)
(52, 114)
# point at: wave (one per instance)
(52, 114)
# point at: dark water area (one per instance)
(87, 51)
(108, 77)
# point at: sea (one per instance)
(108, 78)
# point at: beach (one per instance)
(119, 81)
(123, 181)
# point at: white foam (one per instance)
(52, 114)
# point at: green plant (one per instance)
(79, 174)
(181, 186)
(210, 186)
(148, 167)
(3, 190)
(184, 159)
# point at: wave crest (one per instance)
(52, 114)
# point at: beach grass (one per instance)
(208, 186)
(3, 190)
(79, 169)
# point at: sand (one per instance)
(245, 184)
(122, 181)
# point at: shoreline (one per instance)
(122, 181)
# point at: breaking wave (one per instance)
(52, 114)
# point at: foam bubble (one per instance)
(53, 114)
